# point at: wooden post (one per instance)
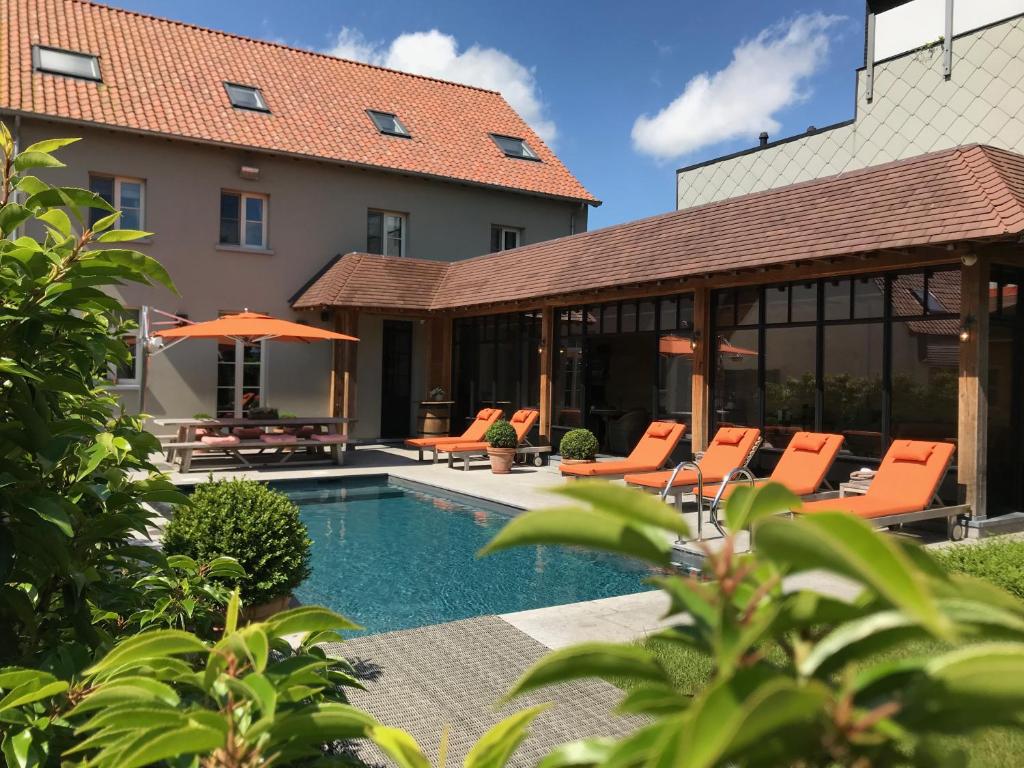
(972, 429)
(548, 354)
(702, 356)
(345, 366)
(438, 351)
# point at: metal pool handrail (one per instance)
(700, 491)
(742, 472)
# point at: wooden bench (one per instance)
(186, 449)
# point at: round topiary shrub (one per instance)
(254, 524)
(578, 444)
(501, 434)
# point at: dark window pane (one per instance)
(104, 187)
(776, 304)
(675, 378)
(925, 364)
(789, 372)
(686, 312)
(374, 232)
(627, 319)
(868, 297)
(724, 308)
(747, 303)
(592, 317)
(837, 300)
(610, 318)
(668, 309)
(646, 316)
(230, 213)
(511, 239)
(569, 387)
(804, 297)
(853, 386)
(736, 393)
(495, 239)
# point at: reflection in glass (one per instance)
(804, 303)
(736, 392)
(776, 304)
(747, 304)
(675, 378)
(925, 365)
(868, 297)
(853, 386)
(789, 370)
(837, 300)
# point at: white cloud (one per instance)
(766, 75)
(436, 54)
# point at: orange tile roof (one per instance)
(166, 77)
(961, 194)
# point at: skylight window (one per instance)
(513, 147)
(246, 97)
(388, 123)
(67, 63)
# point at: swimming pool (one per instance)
(391, 555)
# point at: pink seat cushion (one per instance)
(331, 438)
(277, 438)
(219, 440)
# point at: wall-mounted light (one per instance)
(969, 259)
(965, 328)
(250, 172)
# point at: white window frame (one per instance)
(502, 231)
(93, 60)
(118, 181)
(404, 218)
(140, 333)
(239, 375)
(242, 198)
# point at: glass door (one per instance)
(1005, 395)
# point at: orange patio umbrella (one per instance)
(252, 327)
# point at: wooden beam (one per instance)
(972, 429)
(345, 366)
(438, 351)
(547, 371)
(701, 393)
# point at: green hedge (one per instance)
(251, 522)
(578, 444)
(1000, 561)
(501, 434)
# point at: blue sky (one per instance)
(585, 72)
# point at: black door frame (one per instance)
(395, 417)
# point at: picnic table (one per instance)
(187, 442)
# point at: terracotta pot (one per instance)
(501, 459)
(266, 610)
(577, 461)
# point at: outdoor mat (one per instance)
(422, 679)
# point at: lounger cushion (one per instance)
(911, 450)
(265, 438)
(520, 416)
(806, 441)
(485, 413)
(660, 429)
(605, 468)
(329, 438)
(220, 440)
(862, 506)
(730, 435)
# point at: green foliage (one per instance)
(999, 561)
(578, 444)
(784, 676)
(501, 434)
(250, 522)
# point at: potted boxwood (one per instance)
(578, 446)
(254, 524)
(501, 446)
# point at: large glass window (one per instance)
(496, 364)
(872, 358)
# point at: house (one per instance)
(876, 298)
(254, 164)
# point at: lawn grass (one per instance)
(689, 670)
(1000, 561)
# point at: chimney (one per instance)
(763, 138)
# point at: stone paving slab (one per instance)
(453, 674)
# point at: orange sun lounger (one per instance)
(650, 454)
(474, 432)
(731, 449)
(522, 422)
(903, 490)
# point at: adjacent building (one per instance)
(254, 165)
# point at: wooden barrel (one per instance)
(434, 418)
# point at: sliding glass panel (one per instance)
(724, 310)
(675, 378)
(610, 318)
(747, 306)
(668, 313)
(804, 300)
(908, 298)
(776, 304)
(736, 398)
(868, 297)
(925, 365)
(789, 372)
(853, 386)
(837, 299)
(646, 316)
(686, 312)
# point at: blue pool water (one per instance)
(394, 557)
